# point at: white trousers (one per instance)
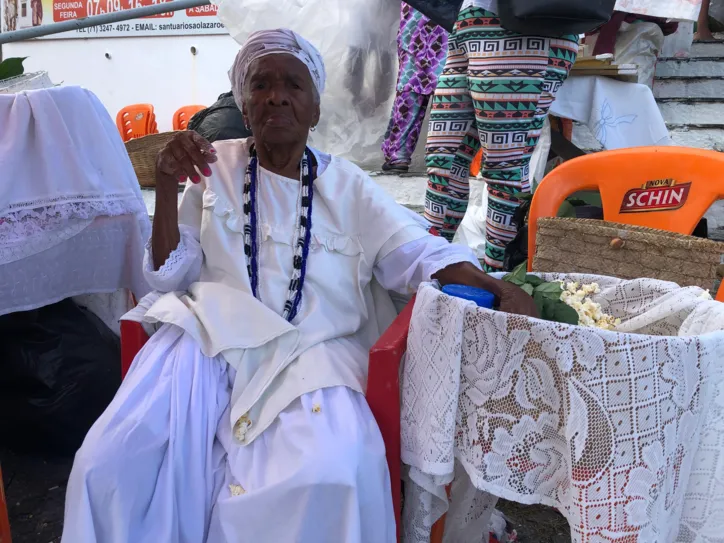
(161, 465)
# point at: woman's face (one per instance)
(279, 100)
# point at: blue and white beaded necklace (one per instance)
(303, 230)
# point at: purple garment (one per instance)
(408, 112)
(422, 49)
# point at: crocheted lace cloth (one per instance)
(623, 432)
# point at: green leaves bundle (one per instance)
(546, 295)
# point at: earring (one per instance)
(313, 128)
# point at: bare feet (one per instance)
(704, 36)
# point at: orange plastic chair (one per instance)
(669, 188)
(4, 522)
(477, 164)
(183, 115)
(136, 121)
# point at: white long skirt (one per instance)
(161, 465)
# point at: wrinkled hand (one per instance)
(183, 157)
(511, 298)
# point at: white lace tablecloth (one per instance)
(621, 432)
(72, 219)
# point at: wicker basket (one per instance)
(627, 252)
(142, 152)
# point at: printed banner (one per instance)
(18, 14)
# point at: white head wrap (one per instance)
(275, 42)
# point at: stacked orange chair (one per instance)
(4, 522)
(136, 121)
(183, 115)
(615, 174)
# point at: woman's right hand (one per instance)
(182, 158)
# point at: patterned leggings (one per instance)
(408, 113)
(495, 91)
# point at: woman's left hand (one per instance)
(511, 298)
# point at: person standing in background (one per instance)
(703, 32)
(421, 49)
(495, 90)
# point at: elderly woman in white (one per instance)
(243, 418)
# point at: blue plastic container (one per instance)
(481, 297)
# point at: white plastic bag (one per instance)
(472, 228)
(678, 44)
(357, 39)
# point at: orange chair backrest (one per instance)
(182, 117)
(136, 121)
(477, 164)
(669, 188)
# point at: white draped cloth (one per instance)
(683, 10)
(72, 219)
(622, 432)
(233, 424)
(618, 114)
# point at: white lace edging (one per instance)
(444, 263)
(172, 273)
(18, 223)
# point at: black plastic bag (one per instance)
(220, 121)
(554, 18)
(60, 367)
(441, 12)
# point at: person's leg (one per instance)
(510, 110)
(452, 140)
(150, 467)
(703, 32)
(408, 113)
(317, 473)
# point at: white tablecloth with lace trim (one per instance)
(621, 432)
(72, 219)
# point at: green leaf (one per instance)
(11, 67)
(523, 196)
(539, 300)
(564, 313)
(517, 276)
(533, 280)
(552, 291)
(528, 288)
(567, 210)
(520, 272)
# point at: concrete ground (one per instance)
(35, 492)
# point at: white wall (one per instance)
(159, 70)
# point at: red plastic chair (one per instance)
(4, 522)
(625, 178)
(383, 393)
(383, 389)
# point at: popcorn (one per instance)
(589, 312)
(236, 490)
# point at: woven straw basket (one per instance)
(142, 152)
(627, 252)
